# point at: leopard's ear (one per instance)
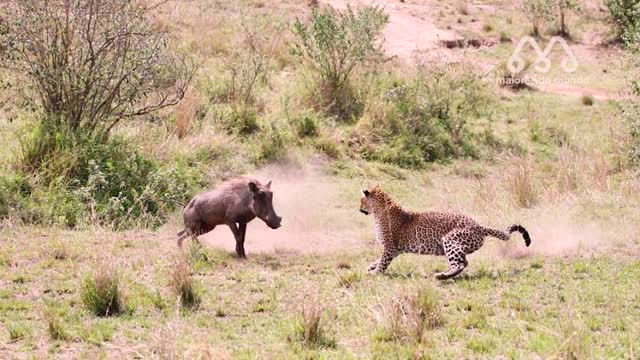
(365, 192)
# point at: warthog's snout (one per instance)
(274, 223)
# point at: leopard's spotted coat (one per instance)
(429, 233)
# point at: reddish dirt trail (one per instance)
(407, 33)
(563, 89)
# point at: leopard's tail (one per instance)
(505, 235)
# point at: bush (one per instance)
(425, 119)
(101, 292)
(626, 16)
(81, 180)
(307, 126)
(55, 325)
(18, 331)
(270, 144)
(563, 8)
(334, 44)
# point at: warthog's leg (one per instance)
(238, 236)
(242, 228)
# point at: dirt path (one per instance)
(407, 33)
(570, 90)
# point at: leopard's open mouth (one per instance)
(364, 212)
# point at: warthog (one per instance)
(234, 203)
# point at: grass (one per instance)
(102, 292)
(310, 327)
(501, 301)
(553, 168)
(184, 286)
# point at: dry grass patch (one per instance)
(409, 316)
(310, 328)
(184, 286)
(521, 182)
(185, 114)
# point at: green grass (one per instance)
(520, 307)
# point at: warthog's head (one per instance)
(262, 204)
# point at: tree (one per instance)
(563, 7)
(92, 63)
(626, 16)
(538, 11)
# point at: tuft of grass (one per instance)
(587, 99)
(101, 292)
(328, 146)
(58, 250)
(487, 27)
(185, 115)
(504, 37)
(409, 316)
(349, 279)
(18, 331)
(463, 8)
(522, 183)
(575, 343)
(184, 286)
(55, 326)
(309, 328)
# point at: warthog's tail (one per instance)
(185, 233)
(505, 235)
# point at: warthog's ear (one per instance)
(253, 187)
(268, 185)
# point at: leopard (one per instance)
(400, 231)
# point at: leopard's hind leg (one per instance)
(457, 244)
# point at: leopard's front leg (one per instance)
(388, 255)
(373, 265)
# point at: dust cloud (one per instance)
(316, 215)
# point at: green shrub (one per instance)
(426, 119)
(270, 144)
(307, 126)
(80, 180)
(626, 15)
(102, 292)
(334, 44)
(328, 147)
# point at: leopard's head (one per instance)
(364, 202)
